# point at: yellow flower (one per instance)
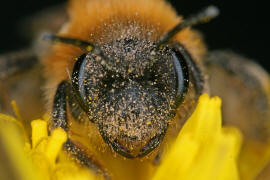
(42, 159)
(203, 150)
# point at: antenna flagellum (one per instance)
(202, 17)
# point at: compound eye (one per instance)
(182, 75)
(76, 74)
(77, 77)
(88, 81)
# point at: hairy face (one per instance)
(130, 91)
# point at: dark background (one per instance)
(241, 25)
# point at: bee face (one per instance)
(129, 81)
(130, 91)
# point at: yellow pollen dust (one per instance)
(89, 48)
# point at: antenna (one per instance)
(76, 42)
(202, 17)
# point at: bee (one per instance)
(122, 77)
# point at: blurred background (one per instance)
(242, 25)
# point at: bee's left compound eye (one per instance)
(131, 98)
(182, 75)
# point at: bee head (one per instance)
(131, 87)
(131, 91)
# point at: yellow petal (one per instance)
(36, 161)
(39, 131)
(55, 144)
(71, 171)
(6, 119)
(12, 138)
(16, 111)
(203, 150)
